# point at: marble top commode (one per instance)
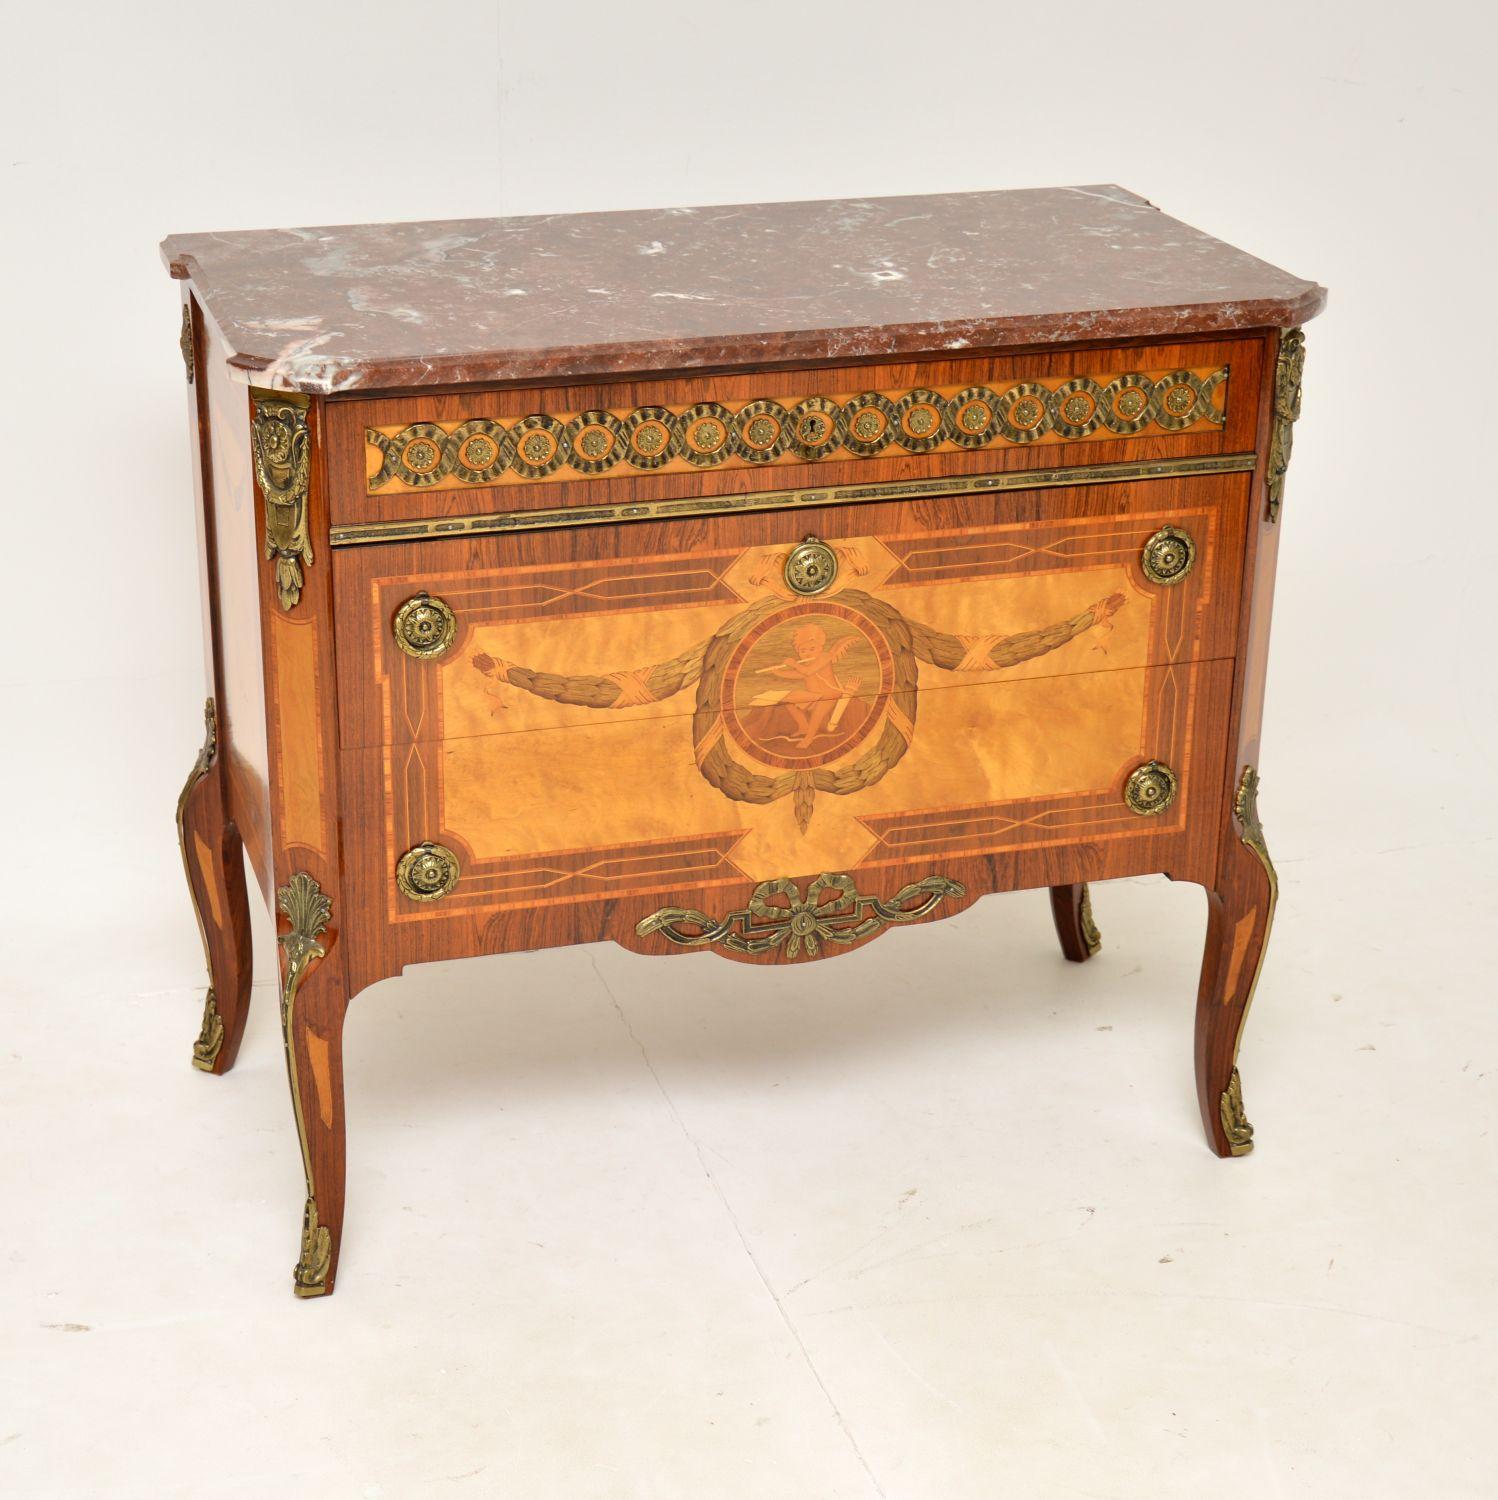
(751, 580)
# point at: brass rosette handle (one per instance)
(427, 873)
(811, 568)
(424, 626)
(1150, 789)
(1168, 556)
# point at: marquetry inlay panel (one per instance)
(795, 428)
(897, 715)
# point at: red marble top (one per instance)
(385, 306)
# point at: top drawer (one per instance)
(504, 459)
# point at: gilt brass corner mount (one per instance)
(1246, 810)
(1151, 789)
(282, 445)
(1288, 371)
(307, 908)
(185, 344)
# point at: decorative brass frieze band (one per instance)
(1235, 1123)
(482, 450)
(211, 1035)
(306, 907)
(776, 916)
(356, 533)
(1288, 370)
(283, 465)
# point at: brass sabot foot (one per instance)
(1235, 1124)
(210, 1038)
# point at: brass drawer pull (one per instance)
(425, 626)
(1151, 789)
(427, 873)
(1168, 556)
(811, 567)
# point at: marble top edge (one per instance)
(332, 309)
(176, 264)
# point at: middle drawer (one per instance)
(450, 639)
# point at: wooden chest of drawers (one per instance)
(751, 580)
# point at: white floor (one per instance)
(933, 1221)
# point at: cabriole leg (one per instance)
(213, 858)
(1071, 906)
(1240, 911)
(314, 1000)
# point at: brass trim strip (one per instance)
(358, 533)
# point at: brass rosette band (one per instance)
(538, 446)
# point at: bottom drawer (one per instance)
(582, 833)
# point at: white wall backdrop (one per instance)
(1347, 143)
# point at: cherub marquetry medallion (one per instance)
(796, 697)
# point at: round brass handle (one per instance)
(1151, 789)
(1168, 556)
(427, 872)
(811, 567)
(424, 626)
